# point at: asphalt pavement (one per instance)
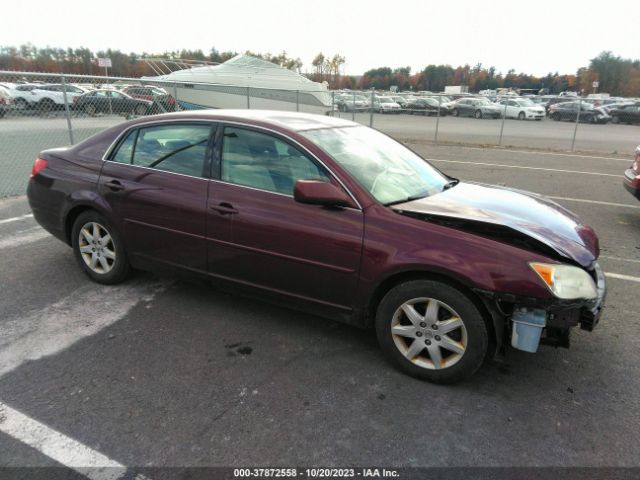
(162, 372)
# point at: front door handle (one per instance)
(114, 185)
(224, 208)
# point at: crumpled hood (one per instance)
(527, 213)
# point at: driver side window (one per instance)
(262, 161)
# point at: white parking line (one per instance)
(16, 219)
(620, 259)
(25, 236)
(617, 175)
(554, 154)
(59, 447)
(597, 202)
(622, 277)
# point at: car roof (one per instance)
(289, 120)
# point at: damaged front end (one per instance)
(538, 225)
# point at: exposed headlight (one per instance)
(566, 281)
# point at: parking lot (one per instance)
(161, 372)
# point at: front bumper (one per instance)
(631, 183)
(561, 315)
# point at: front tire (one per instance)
(432, 331)
(521, 116)
(478, 114)
(98, 248)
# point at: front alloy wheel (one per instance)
(429, 333)
(432, 330)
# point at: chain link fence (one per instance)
(42, 111)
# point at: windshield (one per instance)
(388, 170)
(482, 101)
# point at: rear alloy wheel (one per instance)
(478, 114)
(98, 248)
(521, 116)
(140, 110)
(46, 105)
(90, 109)
(432, 331)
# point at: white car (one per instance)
(49, 97)
(522, 109)
(385, 105)
(5, 101)
(20, 94)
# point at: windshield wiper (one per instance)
(404, 200)
(451, 183)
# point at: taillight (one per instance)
(38, 166)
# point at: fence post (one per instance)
(353, 108)
(248, 98)
(575, 130)
(373, 94)
(297, 100)
(176, 107)
(504, 117)
(435, 138)
(67, 111)
(333, 103)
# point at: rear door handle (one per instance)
(224, 208)
(114, 185)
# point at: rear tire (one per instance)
(98, 248)
(140, 110)
(448, 353)
(90, 109)
(478, 114)
(615, 119)
(455, 112)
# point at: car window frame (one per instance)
(216, 160)
(211, 144)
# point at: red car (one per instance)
(632, 176)
(331, 217)
(162, 101)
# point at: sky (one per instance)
(534, 37)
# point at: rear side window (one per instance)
(171, 148)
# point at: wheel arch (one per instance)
(74, 212)
(493, 321)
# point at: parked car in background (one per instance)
(427, 106)
(522, 109)
(402, 101)
(569, 111)
(333, 217)
(476, 107)
(382, 104)
(625, 114)
(632, 176)
(555, 100)
(52, 96)
(111, 101)
(5, 101)
(351, 103)
(162, 101)
(21, 95)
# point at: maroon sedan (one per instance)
(632, 176)
(332, 217)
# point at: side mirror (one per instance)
(316, 192)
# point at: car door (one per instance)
(156, 184)
(303, 251)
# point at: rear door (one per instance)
(156, 183)
(276, 243)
